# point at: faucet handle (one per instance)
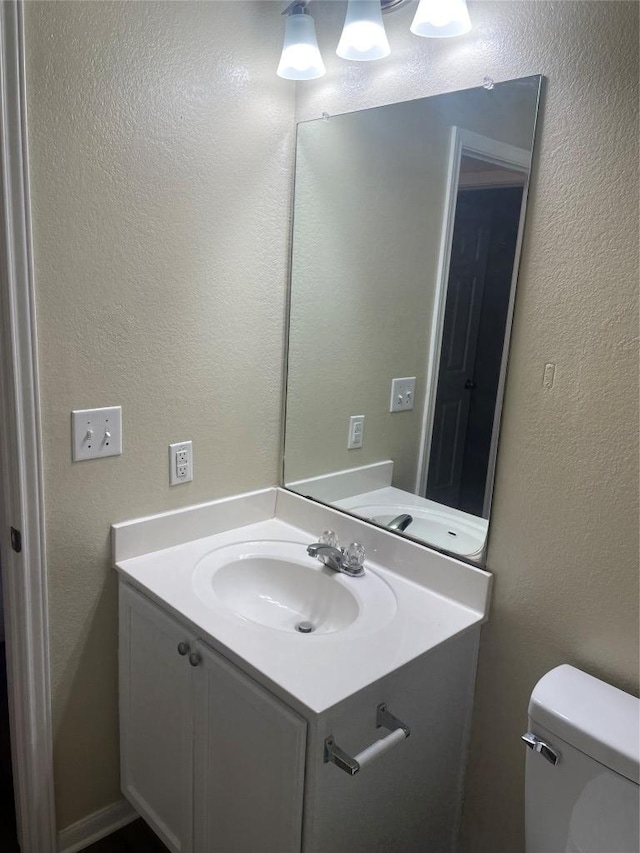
(354, 555)
(328, 537)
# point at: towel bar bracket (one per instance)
(351, 765)
(386, 720)
(339, 757)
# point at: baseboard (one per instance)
(95, 826)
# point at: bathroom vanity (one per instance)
(240, 733)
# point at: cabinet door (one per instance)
(156, 719)
(249, 764)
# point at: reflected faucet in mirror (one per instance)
(400, 522)
(408, 222)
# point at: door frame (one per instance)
(466, 143)
(22, 493)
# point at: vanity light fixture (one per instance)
(441, 19)
(363, 36)
(301, 59)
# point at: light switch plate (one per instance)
(403, 391)
(96, 433)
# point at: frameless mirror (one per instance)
(408, 220)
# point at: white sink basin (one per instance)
(277, 585)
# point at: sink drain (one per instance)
(304, 627)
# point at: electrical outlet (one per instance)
(356, 432)
(96, 433)
(402, 393)
(180, 463)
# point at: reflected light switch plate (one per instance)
(402, 393)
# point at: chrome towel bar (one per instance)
(384, 719)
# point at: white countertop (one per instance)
(319, 670)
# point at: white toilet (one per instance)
(581, 789)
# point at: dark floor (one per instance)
(8, 842)
(134, 838)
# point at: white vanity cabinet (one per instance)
(212, 761)
(156, 719)
(216, 763)
(249, 764)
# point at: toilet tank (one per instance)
(586, 802)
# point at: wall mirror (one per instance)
(408, 220)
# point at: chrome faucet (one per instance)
(400, 522)
(349, 561)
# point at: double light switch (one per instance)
(96, 433)
(403, 391)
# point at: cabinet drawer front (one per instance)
(249, 764)
(156, 719)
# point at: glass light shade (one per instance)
(441, 19)
(363, 36)
(301, 59)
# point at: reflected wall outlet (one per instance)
(356, 432)
(180, 463)
(96, 433)
(402, 393)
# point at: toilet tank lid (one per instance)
(592, 716)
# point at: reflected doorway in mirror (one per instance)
(484, 217)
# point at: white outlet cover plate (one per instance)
(403, 392)
(356, 432)
(96, 433)
(180, 463)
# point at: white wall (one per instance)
(359, 306)
(563, 540)
(161, 154)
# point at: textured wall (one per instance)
(369, 208)
(564, 532)
(360, 307)
(161, 152)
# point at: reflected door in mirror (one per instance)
(477, 302)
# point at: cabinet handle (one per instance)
(384, 719)
(183, 649)
(194, 659)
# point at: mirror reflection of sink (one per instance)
(276, 585)
(451, 534)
